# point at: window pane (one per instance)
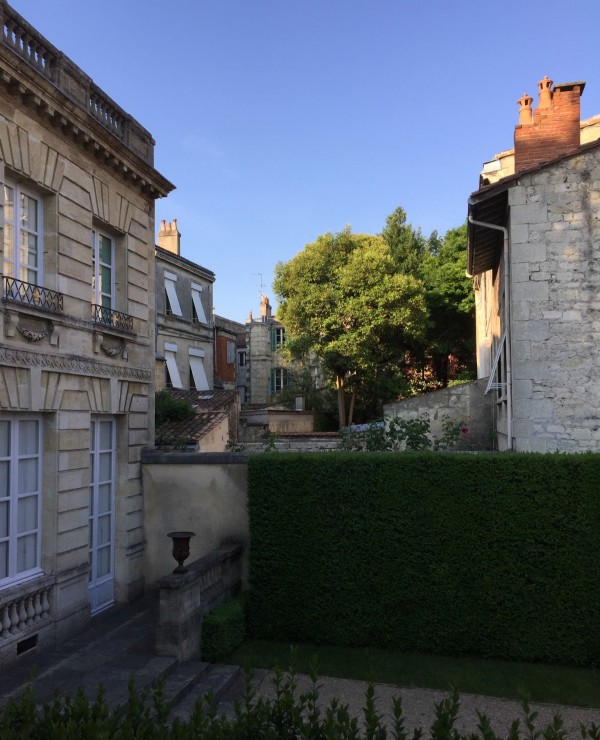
(104, 529)
(105, 280)
(105, 435)
(28, 438)
(27, 514)
(103, 562)
(9, 244)
(104, 498)
(4, 510)
(29, 213)
(105, 250)
(3, 559)
(4, 438)
(4, 479)
(32, 250)
(26, 552)
(28, 476)
(93, 435)
(105, 466)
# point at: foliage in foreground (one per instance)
(287, 715)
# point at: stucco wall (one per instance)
(464, 403)
(555, 306)
(204, 493)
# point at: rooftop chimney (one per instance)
(552, 129)
(265, 309)
(169, 237)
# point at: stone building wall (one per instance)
(66, 369)
(555, 305)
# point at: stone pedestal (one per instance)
(184, 599)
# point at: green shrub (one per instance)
(223, 630)
(288, 715)
(489, 554)
(169, 408)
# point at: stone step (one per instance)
(226, 682)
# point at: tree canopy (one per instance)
(388, 315)
(344, 298)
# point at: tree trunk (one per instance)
(351, 412)
(339, 383)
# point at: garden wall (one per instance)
(488, 554)
(203, 493)
(465, 404)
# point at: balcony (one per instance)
(113, 319)
(35, 296)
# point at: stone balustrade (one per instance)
(24, 607)
(28, 44)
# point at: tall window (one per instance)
(277, 337)
(198, 379)
(20, 497)
(172, 306)
(103, 273)
(280, 379)
(22, 234)
(172, 378)
(198, 313)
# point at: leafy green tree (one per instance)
(450, 303)
(344, 298)
(408, 245)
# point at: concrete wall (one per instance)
(204, 493)
(555, 286)
(464, 403)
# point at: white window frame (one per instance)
(10, 498)
(198, 370)
(173, 370)
(172, 306)
(98, 291)
(278, 337)
(16, 268)
(197, 304)
(242, 358)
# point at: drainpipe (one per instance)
(509, 415)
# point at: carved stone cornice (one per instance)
(71, 364)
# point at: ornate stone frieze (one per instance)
(71, 364)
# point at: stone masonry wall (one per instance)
(463, 403)
(555, 305)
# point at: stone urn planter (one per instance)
(181, 548)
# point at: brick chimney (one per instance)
(553, 128)
(169, 237)
(265, 309)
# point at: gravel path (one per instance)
(418, 705)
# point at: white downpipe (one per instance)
(509, 414)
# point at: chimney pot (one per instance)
(525, 109)
(545, 87)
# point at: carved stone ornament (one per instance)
(33, 336)
(71, 364)
(110, 351)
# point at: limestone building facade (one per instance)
(78, 187)
(533, 250)
(267, 371)
(184, 316)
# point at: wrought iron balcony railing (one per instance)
(32, 295)
(115, 319)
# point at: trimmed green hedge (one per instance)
(223, 630)
(488, 554)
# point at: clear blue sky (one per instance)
(279, 120)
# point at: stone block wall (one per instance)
(555, 306)
(465, 403)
